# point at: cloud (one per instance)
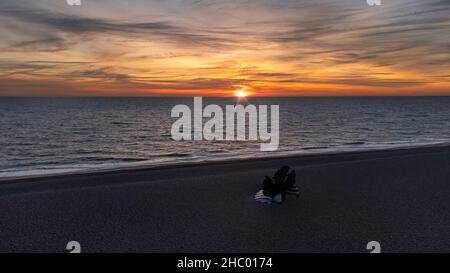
(100, 73)
(204, 45)
(50, 44)
(62, 23)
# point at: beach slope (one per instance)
(399, 198)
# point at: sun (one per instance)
(241, 94)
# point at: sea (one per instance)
(52, 135)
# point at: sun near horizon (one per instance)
(241, 93)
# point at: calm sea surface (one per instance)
(52, 135)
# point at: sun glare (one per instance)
(241, 94)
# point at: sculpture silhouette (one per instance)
(276, 189)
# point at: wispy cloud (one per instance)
(270, 47)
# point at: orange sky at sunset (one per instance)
(216, 48)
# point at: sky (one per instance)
(221, 47)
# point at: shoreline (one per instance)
(218, 161)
